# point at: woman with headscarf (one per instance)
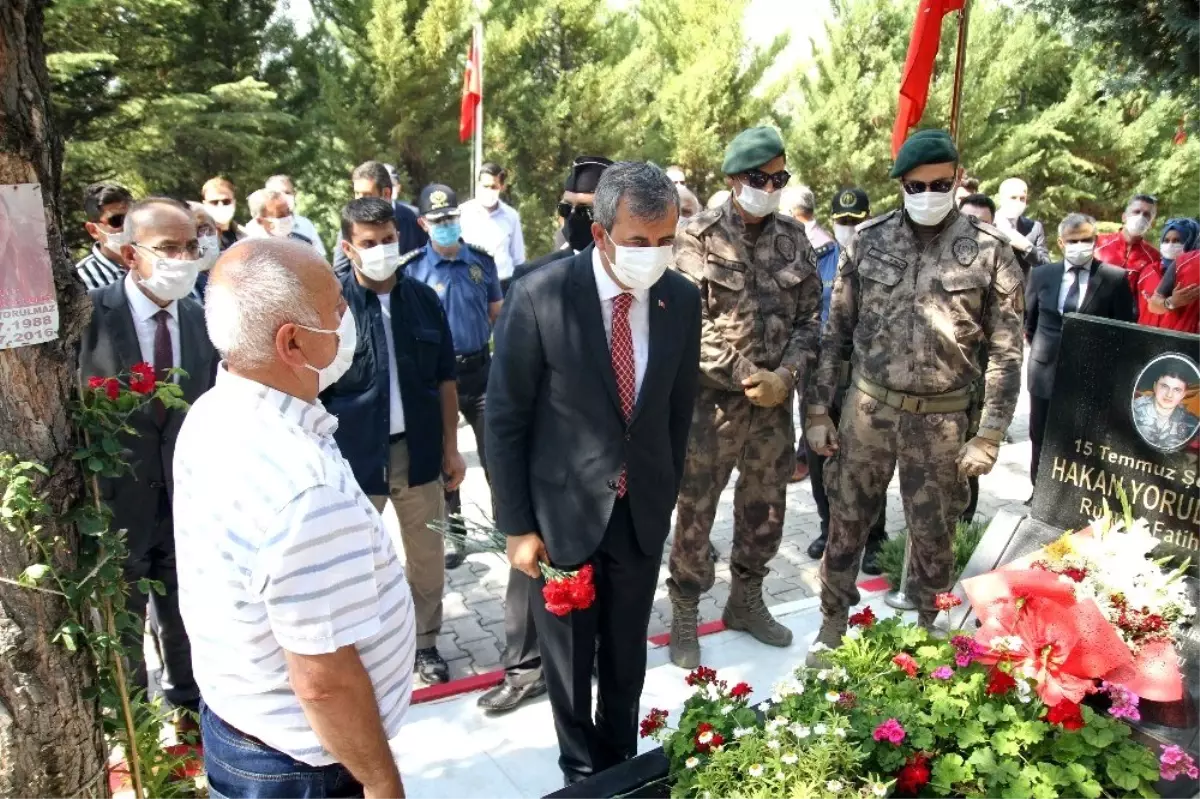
(1170, 301)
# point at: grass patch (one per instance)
(966, 538)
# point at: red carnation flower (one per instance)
(95, 382)
(654, 721)
(740, 690)
(946, 600)
(141, 378)
(558, 597)
(1075, 573)
(700, 676)
(913, 775)
(864, 618)
(1066, 714)
(112, 387)
(581, 592)
(1000, 683)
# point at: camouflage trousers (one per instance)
(728, 430)
(872, 439)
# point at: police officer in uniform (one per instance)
(919, 291)
(468, 285)
(760, 316)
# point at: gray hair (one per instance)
(648, 193)
(794, 197)
(689, 203)
(257, 293)
(1073, 221)
(278, 179)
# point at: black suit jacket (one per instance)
(109, 347)
(556, 437)
(537, 263)
(1107, 296)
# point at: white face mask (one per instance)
(281, 227)
(1079, 253)
(116, 239)
(379, 262)
(1137, 225)
(843, 233)
(347, 336)
(1172, 250)
(171, 278)
(221, 214)
(210, 248)
(757, 202)
(1011, 209)
(639, 267)
(489, 196)
(928, 207)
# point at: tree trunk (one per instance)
(50, 739)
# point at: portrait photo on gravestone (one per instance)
(1166, 402)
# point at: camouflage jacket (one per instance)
(917, 319)
(759, 310)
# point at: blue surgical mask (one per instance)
(445, 234)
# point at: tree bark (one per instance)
(50, 738)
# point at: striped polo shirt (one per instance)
(277, 548)
(97, 271)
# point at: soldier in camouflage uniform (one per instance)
(761, 305)
(917, 293)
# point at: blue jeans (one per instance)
(241, 767)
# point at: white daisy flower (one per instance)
(840, 732)
(773, 745)
(879, 789)
(705, 737)
(823, 674)
(756, 770)
(1024, 692)
(790, 759)
(817, 646)
(765, 705)
(833, 786)
(839, 674)
(779, 775)
(800, 731)
(726, 710)
(832, 696)
(691, 762)
(720, 748)
(820, 729)
(742, 732)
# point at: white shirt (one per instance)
(301, 226)
(1085, 274)
(497, 230)
(282, 551)
(395, 406)
(143, 309)
(639, 318)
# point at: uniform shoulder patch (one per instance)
(478, 250)
(411, 255)
(991, 230)
(965, 250)
(877, 220)
(702, 221)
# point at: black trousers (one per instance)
(522, 659)
(1039, 409)
(472, 393)
(616, 623)
(152, 557)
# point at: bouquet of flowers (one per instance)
(563, 592)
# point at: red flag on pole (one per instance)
(472, 93)
(918, 67)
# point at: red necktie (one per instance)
(622, 363)
(164, 358)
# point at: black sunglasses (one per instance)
(759, 179)
(116, 221)
(918, 187)
(566, 209)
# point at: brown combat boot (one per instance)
(745, 610)
(829, 637)
(685, 645)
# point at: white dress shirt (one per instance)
(1085, 274)
(301, 226)
(639, 318)
(497, 230)
(143, 309)
(395, 406)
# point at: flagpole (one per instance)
(960, 60)
(477, 150)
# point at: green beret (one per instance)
(752, 148)
(929, 146)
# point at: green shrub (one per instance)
(966, 538)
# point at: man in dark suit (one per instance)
(589, 407)
(372, 179)
(149, 317)
(574, 211)
(522, 660)
(1080, 284)
(1027, 236)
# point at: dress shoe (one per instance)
(870, 561)
(817, 548)
(800, 473)
(454, 555)
(508, 696)
(431, 667)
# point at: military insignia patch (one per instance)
(965, 251)
(847, 199)
(438, 200)
(786, 247)
(476, 274)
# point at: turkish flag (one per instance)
(918, 67)
(472, 92)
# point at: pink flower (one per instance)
(942, 673)
(966, 650)
(889, 731)
(1174, 762)
(945, 601)
(1124, 701)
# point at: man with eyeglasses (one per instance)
(919, 292)
(105, 205)
(760, 321)
(574, 211)
(148, 317)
